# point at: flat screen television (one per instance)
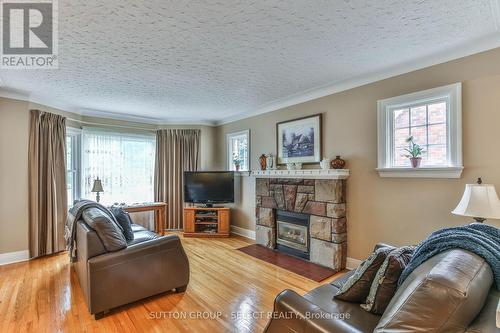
(208, 187)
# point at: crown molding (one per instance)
(14, 94)
(144, 120)
(32, 98)
(118, 116)
(52, 103)
(480, 45)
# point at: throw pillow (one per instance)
(357, 287)
(385, 283)
(124, 220)
(108, 231)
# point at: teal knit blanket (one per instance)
(481, 239)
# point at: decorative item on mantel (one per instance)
(294, 166)
(479, 201)
(338, 163)
(325, 163)
(263, 162)
(237, 162)
(414, 152)
(270, 165)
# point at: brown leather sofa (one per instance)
(451, 292)
(149, 265)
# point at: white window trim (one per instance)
(453, 95)
(228, 148)
(76, 133)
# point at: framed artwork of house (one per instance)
(299, 140)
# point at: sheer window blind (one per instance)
(123, 161)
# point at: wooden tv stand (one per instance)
(206, 222)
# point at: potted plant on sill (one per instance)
(414, 152)
(237, 162)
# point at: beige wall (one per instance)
(14, 127)
(14, 136)
(397, 211)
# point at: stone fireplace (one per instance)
(282, 206)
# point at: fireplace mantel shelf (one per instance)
(304, 173)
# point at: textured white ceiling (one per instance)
(215, 60)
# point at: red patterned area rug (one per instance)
(301, 267)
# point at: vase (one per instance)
(415, 162)
(270, 162)
(262, 161)
(237, 167)
(325, 163)
(338, 163)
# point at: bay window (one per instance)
(123, 161)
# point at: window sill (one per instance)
(447, 172)
(241, 173)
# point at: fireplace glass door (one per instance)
(292, 235)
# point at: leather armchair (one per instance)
(148, 266)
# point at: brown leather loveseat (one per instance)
(150, 264)
(451, 292)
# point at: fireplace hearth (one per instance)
(303, 217)
(292, 234)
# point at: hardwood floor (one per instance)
(43, 295)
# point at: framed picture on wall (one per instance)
(299, 140)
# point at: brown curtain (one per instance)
(47, 183)
(176, 151)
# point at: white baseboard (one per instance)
(12, 257)
(352, 263)
(243, 232)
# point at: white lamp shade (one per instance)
(479, 200)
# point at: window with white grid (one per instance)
(432, 118)
(427, 124)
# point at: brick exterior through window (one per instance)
(428, 125)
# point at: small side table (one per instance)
(160, 211)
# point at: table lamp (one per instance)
(97, 188)
(479, 201)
